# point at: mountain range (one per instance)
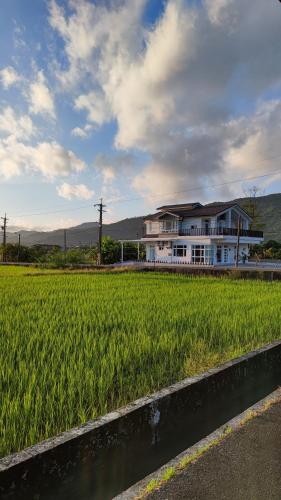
(269, 220)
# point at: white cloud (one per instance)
(253, 143)
(172, 90)
(96, 106)
(219, 11)
(50, 159)
(21, 224)
(9, 77)
(40, 97)
(94, 34)
(108, 174)
(19, 126)
(83, 133)
(70, 191)
(112, 166)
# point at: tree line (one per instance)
(54, 256)
(271, 249)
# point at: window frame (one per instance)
(178, 247)
(202, 254)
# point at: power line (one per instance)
(194, 188)
(31, 214)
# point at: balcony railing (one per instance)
(211, 231)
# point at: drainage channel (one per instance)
(103, 458)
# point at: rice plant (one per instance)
(74, 346)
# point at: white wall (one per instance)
(152, 227)
(166, 254)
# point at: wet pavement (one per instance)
(245, 466)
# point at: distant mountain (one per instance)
(268, 208)
(84, 234)
(269, 214)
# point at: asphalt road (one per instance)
(245, 466)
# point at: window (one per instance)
(209, 254)
(169, 226)
(202, 254)
(198, 253)
(225, 254)
(179, 250)
(219, 253)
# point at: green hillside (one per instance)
(268, 209)
(269, 214)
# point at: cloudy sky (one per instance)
(139, 101)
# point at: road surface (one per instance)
(245, 466)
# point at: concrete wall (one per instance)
(103, 458)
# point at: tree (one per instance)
(111, 250)
(251, 206)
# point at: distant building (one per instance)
(197, 234)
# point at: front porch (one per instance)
(188, 251)
(203, 253)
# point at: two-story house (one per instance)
(197, 234)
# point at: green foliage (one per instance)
(54, 256)
(267, 214)
(111, 251)
(271, 249)
(59, 259)
(73, 347)
(36, 253)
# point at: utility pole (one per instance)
(138, 247)
(19, 245)
(64, 241)
(100, 210)
(4, 229)
(238, 241)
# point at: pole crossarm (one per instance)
(100, 206)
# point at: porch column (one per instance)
(138, 251)
(122, 251)
(229, 218)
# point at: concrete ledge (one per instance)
(104, 457)
(139, 489)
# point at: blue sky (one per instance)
(142, 102)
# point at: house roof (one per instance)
(201, 211)
(181, 206)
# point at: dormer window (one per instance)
(169, 226)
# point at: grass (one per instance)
(74, 346)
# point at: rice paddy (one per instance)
(74, 346)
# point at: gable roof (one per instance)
(181, 206)
(201, 211)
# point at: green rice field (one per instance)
(74, 346)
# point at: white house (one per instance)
(197, 234)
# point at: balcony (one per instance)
(204, 231)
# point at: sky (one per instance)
(141, 102)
